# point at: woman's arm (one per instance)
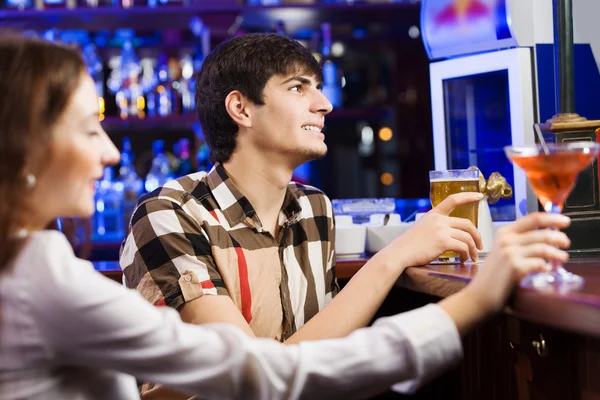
(91, 321)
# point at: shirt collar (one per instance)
(235, 206)
(291, 206)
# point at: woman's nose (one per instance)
(111, 155)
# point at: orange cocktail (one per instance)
(553, 176)
(552, 171)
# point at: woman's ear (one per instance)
(238, 108)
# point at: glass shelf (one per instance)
(133, 125)
(219, 17)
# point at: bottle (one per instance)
(186, 89)
(132, 184)
(182, 152)
(167, 3)
(203, 158)
(108, 219)
(203, 162)
(263, 2)
(280, 28)
(87, 3)
(174, 82)
(90, 56)
(53, 4)
(19, 4)
(332, 88)
(96, 71)
(124, 78)
(191, 68)
(160, 170)
(97, 3)
(163, 92)
(51, 35)
(149, 81)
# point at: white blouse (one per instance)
(66, 332)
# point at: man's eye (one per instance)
(296, 88)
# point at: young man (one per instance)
(241, 244)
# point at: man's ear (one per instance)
(238, 108)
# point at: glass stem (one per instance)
(557, 266)
(552, 208)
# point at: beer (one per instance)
(440, 189)
(445, 183)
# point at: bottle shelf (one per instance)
(310, 16)
(185, 122)
(134, 125)
(219, 17)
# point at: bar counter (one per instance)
(545, 345)
(576, 311)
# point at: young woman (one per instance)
(67, 332)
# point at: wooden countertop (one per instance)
(576, 311)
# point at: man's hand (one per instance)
(435, 233)
(519, 249)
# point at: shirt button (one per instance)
(187, 278)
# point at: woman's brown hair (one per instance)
(37, 79)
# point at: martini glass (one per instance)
(552, 171)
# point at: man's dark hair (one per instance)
(244, 63)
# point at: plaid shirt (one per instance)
(198, 235)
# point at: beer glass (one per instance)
(443, 184)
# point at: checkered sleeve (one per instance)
(167, 256)
(330, 278)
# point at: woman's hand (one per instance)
(521, 248)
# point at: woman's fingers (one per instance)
(545, 251)
(548, 236)
(540, 220)
(529, 266)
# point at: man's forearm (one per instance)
(355, 305)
